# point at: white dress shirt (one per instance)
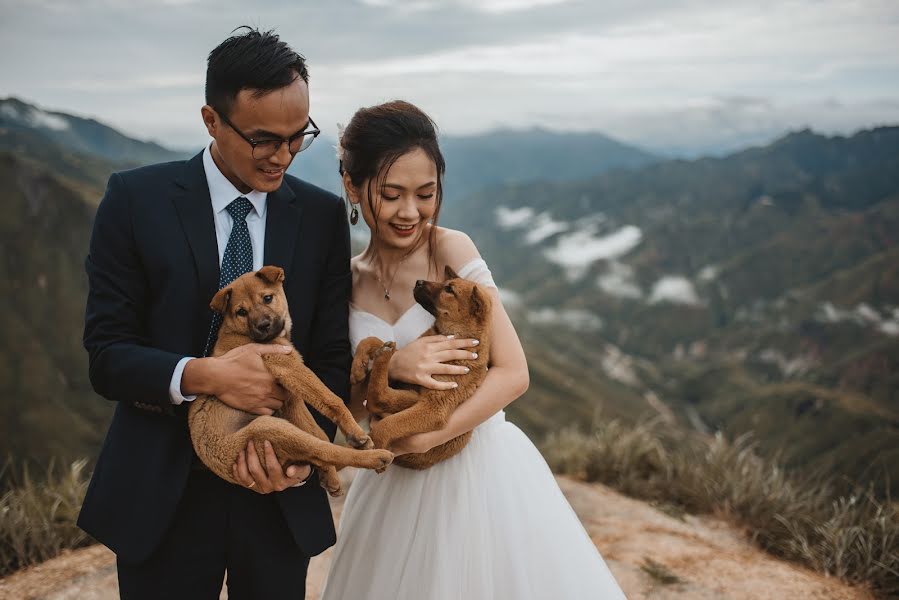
(222, 193)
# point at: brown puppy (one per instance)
(255, 310)
(462, 309)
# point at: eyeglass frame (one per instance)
(315, 131)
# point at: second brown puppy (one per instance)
(254, 309)
(461, 309)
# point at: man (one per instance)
(166, 238)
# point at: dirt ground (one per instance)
(653, 555)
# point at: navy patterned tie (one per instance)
(238, 258)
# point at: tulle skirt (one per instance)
(489, 523)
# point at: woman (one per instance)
(491, 521)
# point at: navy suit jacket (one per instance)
(153, 268)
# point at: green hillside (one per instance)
(49, 409)
(757, 292)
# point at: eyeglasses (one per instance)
(268, 147)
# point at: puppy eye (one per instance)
(449, 289)
(267, 298)
(242, 312)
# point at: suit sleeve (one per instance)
(329, 352)
(123, 367)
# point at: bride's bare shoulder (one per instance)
(454, 248)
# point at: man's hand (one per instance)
(269, 477)
(238, 378)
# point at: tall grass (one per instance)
(795, 516)
(37, 517)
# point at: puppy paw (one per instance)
(388, 348)
(359, 370)
(362, 442)
(335, 491)
(380, 460)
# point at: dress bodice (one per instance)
(416, 320)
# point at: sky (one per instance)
(684, 78)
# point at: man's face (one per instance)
(280, 113)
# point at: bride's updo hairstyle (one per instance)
(377, 136)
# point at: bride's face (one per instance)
(402, 201)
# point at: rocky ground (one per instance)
(653, 554)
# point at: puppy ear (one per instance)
(221, 300)
(271, 274)
(449, 273)
(479, 303)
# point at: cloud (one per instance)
(687, 77)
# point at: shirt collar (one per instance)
(222, 192)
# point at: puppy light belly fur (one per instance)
(254, 309)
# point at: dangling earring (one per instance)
(354, 215)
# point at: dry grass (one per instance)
(800, 518)
(659, 572)
(37, 518)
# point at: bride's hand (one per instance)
(415, 444)
(421, 359)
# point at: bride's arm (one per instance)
(506, 380)
(507, 377)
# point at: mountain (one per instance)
(79, 135)
(756, 292)
(499, 157)
(49, 410)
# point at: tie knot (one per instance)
(239, 209)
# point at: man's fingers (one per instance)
(262, 411)
(255, 467)
(240, 468)
(272, 466)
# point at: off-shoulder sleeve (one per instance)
(476, 270)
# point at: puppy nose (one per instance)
(419, 283)
(263, 325)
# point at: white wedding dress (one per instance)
(487, 524)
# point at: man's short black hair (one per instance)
(252, 59)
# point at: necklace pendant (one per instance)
(387, 296)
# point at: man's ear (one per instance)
(449, 273)
(210, 119)
(271, 274)
(221, 301)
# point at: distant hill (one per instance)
(79, 135)
(756, 292)
(759, 291)
(499, 157)
(49, 410)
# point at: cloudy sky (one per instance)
(688, 77)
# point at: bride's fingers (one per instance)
(433, 384)
(455, 344)
(435, 339)
(445, 369)
(447, 355)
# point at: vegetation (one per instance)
(797, 517)
(792, 252)
(37, 518)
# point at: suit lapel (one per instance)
(282, 223)
(194, 208)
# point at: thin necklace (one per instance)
(390, 283)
